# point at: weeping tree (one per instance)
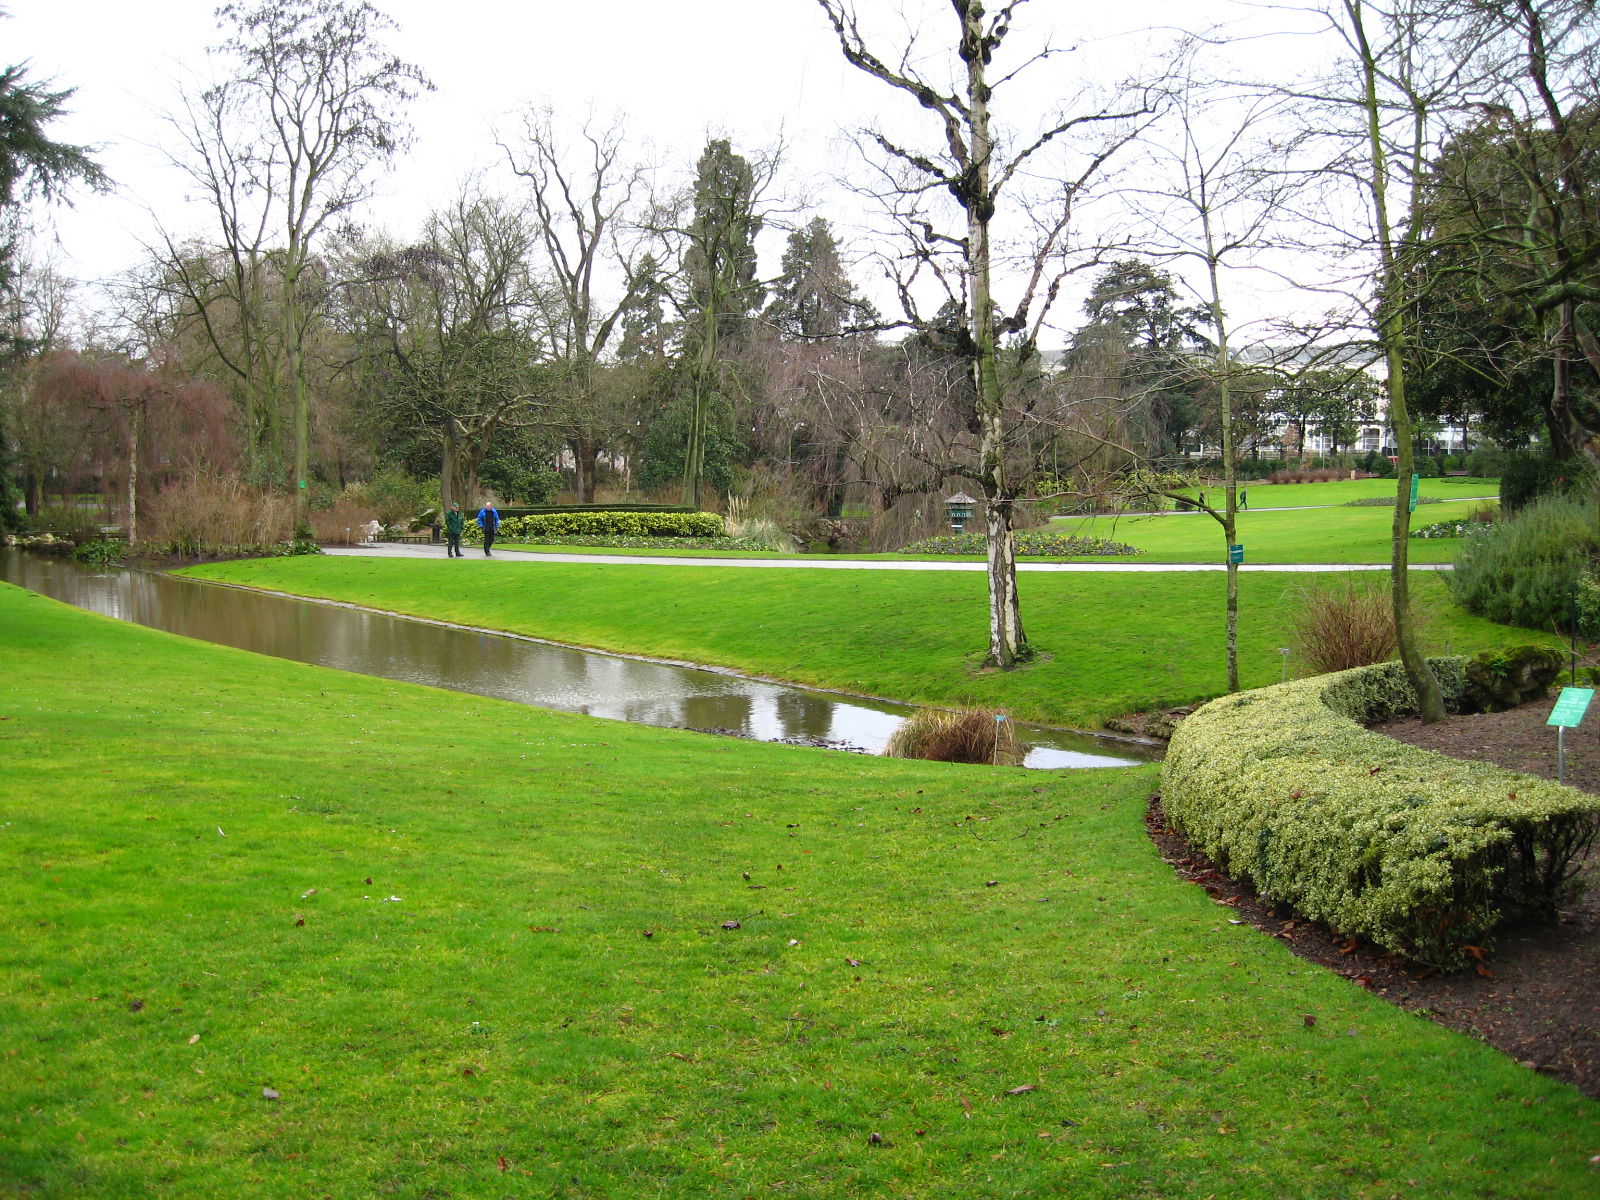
(975, 163)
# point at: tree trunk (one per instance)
(135, 438)
(585, 451)
(1394, 290)
(1007, 646)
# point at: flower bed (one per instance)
(1030, 542)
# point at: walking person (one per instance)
(454, 522)
(489, 522)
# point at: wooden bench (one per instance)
(419, 539)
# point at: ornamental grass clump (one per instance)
(973, 735)
(1423, 854)
(1337, 626)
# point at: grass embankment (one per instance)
(1112, 643)
(419, 918)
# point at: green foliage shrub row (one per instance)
(1029, 542)
(1527, 569)
(1528, 475)
(1423, 854)
(545, 527)
(529, 510)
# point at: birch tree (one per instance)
(977, 161)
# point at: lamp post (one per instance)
(960, 506)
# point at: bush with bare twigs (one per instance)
(343, 522)
(974, 735)
(1342, 625)
(208, 514)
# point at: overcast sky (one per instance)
(677, 70)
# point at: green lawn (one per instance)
(421, 920)
(1341, 491)
(1111, 643)
(1316, 535)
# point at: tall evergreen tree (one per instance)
(722, 292)
(813, 297)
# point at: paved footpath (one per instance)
(412, 550)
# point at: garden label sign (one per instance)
(1416, 481)
(1570, 707)
(1236, 553)
(1567, 714)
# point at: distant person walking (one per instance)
(489, 522)
(1243, 498)
(454, 522)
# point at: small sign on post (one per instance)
(1568, 713)
(1416, 481)
(1236, 553)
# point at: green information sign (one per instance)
(1570, 707)
(1415, 481)
(1236, 553)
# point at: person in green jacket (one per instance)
(454, 522)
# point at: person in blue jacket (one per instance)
(489, 522)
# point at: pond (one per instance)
(508, 667)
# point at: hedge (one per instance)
(1423, 854)
(545, 527)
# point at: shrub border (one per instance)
(1423, 854)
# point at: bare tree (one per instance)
(449, 331)
(282, 148)
(1382, 115)
(979, 168)
(590, 202)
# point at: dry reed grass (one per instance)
(1341, 625)
(208, 513)
(973, 735)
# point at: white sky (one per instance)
(677, 70)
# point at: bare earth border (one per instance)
(1537, 998)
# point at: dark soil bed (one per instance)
(1537, 998)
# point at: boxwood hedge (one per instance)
(545, 527)
(1423, 854)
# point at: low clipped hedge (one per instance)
(548, 527)
(1423, 854)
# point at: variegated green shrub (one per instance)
(1423, 854)
(545, 527)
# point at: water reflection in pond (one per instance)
(505, 667)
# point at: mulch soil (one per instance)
(1537, 997)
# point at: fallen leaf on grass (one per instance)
(680, 1057)
(1026, 1087)
(269, 1094)
(543, 929)
(194, 1039)
(730, 925)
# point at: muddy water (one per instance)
(505, 667)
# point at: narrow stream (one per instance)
(504, 666)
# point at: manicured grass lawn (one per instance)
(1112, 643)
(419, 919)
(1315, 535)
(1342, 491)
